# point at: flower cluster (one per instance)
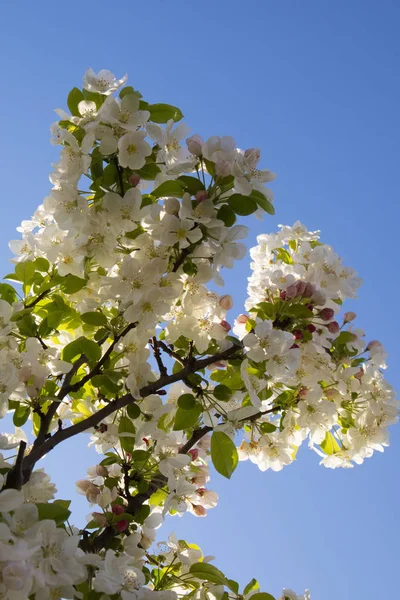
(113, 330)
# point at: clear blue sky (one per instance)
(314, 84)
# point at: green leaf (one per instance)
(251, 586)
(27, 326)
(105, 383)
(98, 99)
(222, 392)
(233, 585)
(267, 427)
(140, 455)
(82, 345)
(142, 514)
(72, 284)
(242, 205)
(109, 460)
(284, 399)
(94, 318)
(25, 270)
(191, 184)
(129, 90)
(161, 113)
(8, 293)
(41, 264)
(133, 410)
(56, 511)
(74, 97)
(185, 419)
(168, 188)
(298, 311)
(227, 215)
(329, 445)
(187, 401)
(230, 377)
(345, 337)
(149, 172)
(224, 454)
(203, 570)
(263, 202)
(262, 596)
(21, 415)
(127, 441)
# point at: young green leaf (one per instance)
(224, 454)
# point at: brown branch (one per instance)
(155, 344)
(90, 422)
(171, 353)
(15, 477)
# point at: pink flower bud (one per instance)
(201, 195)
(117, 509)
(303, 393)
(298, 335)
(102, 471)
(134, 179)
(308, 290)
(291, 291)
(283, 295)
(225, 325)
(242, 319)
(331, 393)
(100, 519)
(349, 316)
(194, 453)
(359, 374)
(374, 345)
(334, 327)
(318, 298)
(311, 328)
(102, 428)
(195, 144)
(121, 525)
(326, 314)
(199, 511)
(172, 206)
(301, 287)
(225, 301)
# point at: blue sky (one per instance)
(315, 85)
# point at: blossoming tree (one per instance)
(111, 331)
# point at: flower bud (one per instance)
(331, 393)
(194, 144)
(282, 295)
(194, 453)
(201, 195)
(134, 179)
(242, 319)
(117, 509)
(172, 206)
(334, 327)
(359, 374)
(349, 316)
(318, 298)
(121, 525)
(326, 314)
(100, 519)
(92, 493)
(374, 345)
(311, 328)
(225, 325)
(298, 335)
(225, 301)
(102, 471)
(291, 291)
(309, 290)
(303, 393)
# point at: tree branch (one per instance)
(155, 344)
(90, 422)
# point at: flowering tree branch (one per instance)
(114, 281)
